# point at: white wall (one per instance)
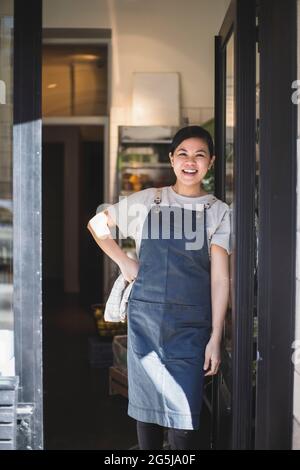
(150, 36)
(296, 434)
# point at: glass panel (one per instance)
(6, 217)
(229, 169)
(74, 80)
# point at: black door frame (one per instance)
(277, 37)
(240, 19)
(277, 234)
(27, 160)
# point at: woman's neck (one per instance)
(190, 191)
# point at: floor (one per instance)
(79, 413)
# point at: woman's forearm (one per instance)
(219, 300)
(219, 289)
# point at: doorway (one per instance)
(73, 186)
(233, 400)
(74, 164)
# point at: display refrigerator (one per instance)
(143, 162)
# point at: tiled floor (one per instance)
(78, 411)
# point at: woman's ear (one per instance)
(171, 158)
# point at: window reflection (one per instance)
(6, 218)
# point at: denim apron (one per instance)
(169, 318)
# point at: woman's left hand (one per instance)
(212, 357)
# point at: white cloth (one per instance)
(99, 225)
(131, 211)
(116, 305)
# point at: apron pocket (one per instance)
(171, 331)
(186, 331)
(186, 343)
(144, 324)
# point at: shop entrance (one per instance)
(251, 176)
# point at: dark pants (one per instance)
(151, 436)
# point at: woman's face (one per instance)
(191, 161)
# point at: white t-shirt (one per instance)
(131, 211)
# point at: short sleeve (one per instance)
(128, 213)
(222, 234)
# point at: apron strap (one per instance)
(207, 205)
(157, 198)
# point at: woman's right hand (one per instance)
(129, 268)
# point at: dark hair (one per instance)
(192, 131)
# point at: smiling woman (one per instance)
(179, 296)
(191, 155)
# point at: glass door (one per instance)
(235, 184)
(20, 153)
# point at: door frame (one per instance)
(277, 234)
(240, 19)
(277, 38)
